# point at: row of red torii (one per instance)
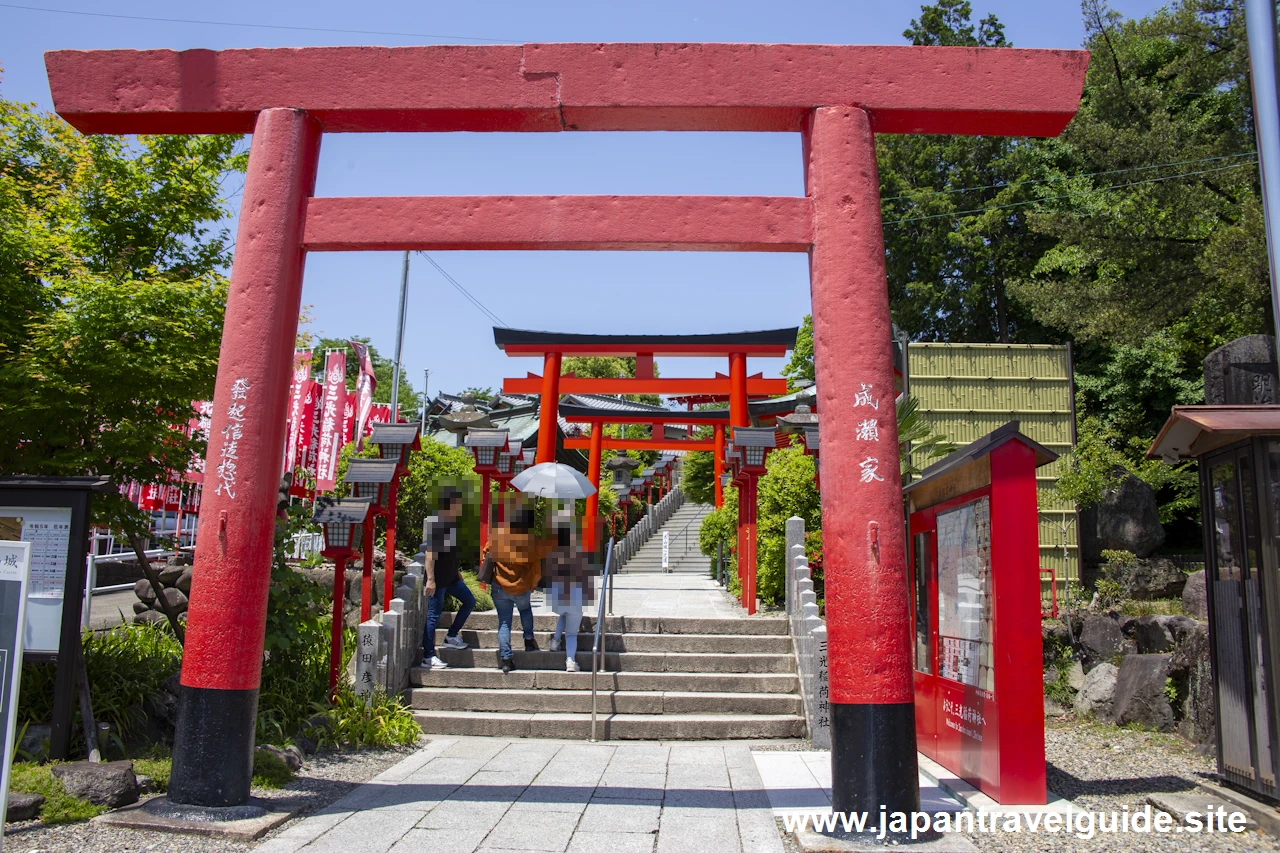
(835, 96)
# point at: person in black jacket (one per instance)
(440, 546)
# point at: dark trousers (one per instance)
(435, 606)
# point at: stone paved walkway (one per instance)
(459, 795)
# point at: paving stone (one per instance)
(533, 830)
(366, 836)
(457, 840)
(632, 786)
(610, 815)
(611, 842)
(463, 814)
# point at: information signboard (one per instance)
(48, 530)
(964, 606)
(15, 569)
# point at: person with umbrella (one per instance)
(570, 587)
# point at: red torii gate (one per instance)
(835, 96)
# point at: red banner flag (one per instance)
(198, 427)
(379, 413)
(331, 435)
(364, 391)
(305, 428)
(301, 374)
(349, 418)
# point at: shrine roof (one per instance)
(620, 414)
(1192, 431)
(771, 342)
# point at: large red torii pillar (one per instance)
(564, 87)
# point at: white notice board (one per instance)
(48, 529)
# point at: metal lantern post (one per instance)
(752, 446)
(343, 523)
(485, 445)
(370, 479)
(395, 442)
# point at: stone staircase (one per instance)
(684, 555)
(661, 678)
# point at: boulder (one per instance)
(307, 745)
(1075, 676)
(183, 582)
(111, 783)
(1140, 695)
(1053, 709)
(176, 600)
(144, 591)
(35, 741)
(169, 575)
(184, 558)
(1098, 691)
(1242, 372)
(141, 607)
(1152, 635)
(1100, 640)
(1053, 631)
(1150, 578)
(1128, 518)
(1195, 600)
(292, 757)
(21, 806)
(151, 617)
(1192, 670)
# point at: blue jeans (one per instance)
(435, 606)
(505, 603)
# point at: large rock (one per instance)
(144, 591)
(1242, 372)
(1195, 599)
(21, 806)
(1149, 578)
(1192, 671)
(1127, 519)
(1141, 696)
(1152, 635)
(111, 784)
(35, 741)
(1098, 692)
(291, 757)
(169, 575)
(184, 581)
(176, 600)
(151, 617)
(1100, 640)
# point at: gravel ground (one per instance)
(1104, 768)
(326, 777)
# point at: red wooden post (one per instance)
(717, 464)
(738, 390)
(335, 632)
(593, 501)
(222, 661)
(484, 510)
(873, 751)
(548, 424)
(389, 565)
(366, 573)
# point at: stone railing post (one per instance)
(368, 653)
(809, 637)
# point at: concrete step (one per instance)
(664, 682)
(626, 661)
(612, 726)
(744, 626)
(711, 643)
(607, 702)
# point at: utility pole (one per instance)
(1260, 20)
(426, 401)
(404, 301)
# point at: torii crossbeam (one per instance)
(837, 97)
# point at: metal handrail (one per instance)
(595, 646)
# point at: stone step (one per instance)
(558, 679)
(612, 726)
(745, 626)
(625, 661)
(607, 702)
(712, 643)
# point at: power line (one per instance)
(476, 302)
(1069, 177)
(254, 26)
(959, 213)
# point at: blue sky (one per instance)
(678, 292)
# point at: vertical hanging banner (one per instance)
(301, 374)
(348, 417)
(364, 391)
(379, 413)
(198, 427)
(332, 419)
(303, 433)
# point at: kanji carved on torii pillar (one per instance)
(836, 96)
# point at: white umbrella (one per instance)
(553, 480)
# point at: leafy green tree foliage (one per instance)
(799, 366)
(383, 371)
(482, 395)
(950, 248)
(111, 262)
(719, 528)
(786, 489)
(434, 466)
(916, 436)
(698, 477)
(1141, 246)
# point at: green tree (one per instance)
(799, 366)
(698, 476)
(482, 395)
(786, 489)
(111, 262)
(952, 243)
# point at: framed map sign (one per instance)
(964, 601)
(48, 530)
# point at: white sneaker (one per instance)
(571, 665)
(454, 643)
(554, 645)
(436, 663)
